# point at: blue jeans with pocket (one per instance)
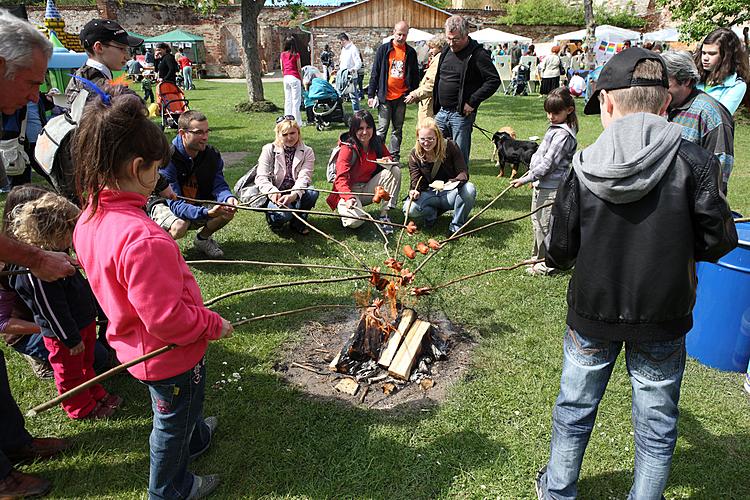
(306, 202)
(655, 370)
(456, 126)
(178, 431)
(431, 204)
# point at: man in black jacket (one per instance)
(395, 73)
(167, 70)
(637, 210)
(465, 77)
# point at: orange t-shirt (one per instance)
(396, 73)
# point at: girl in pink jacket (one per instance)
(144, 286)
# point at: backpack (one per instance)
(331, 166)
(12, 153)
(248, 192)
(325, 58)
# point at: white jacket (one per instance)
(350, 58)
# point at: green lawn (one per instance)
(486, 441)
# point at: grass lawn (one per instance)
(486, 441)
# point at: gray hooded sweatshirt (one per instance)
(629, 158)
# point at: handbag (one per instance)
(12, 152)
(247, 191)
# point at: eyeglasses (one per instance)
(427, 139)
(280, 119)
(121, 48)
(197, 131)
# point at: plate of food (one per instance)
(386, 162)
(444, 186)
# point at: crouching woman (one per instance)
(435, 158)
(285, 169)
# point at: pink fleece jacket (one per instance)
(144, 287)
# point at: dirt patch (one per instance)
(305, 365)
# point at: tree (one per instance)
(588, 18)
(700, 17)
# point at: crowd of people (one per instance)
(640, 205)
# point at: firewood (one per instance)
(347, 386)
(407, 354)
(389, 388)
(394, 341)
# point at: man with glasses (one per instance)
(465, 78)
(196, 171)
(106, 43)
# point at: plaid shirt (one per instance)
(710, 125)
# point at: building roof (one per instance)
(363, 2)
(175, 36)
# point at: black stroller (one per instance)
(519, 85)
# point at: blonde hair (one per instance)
(46, 222)
(440, 142)
(283, 127)
(437, 42)
(642, 99)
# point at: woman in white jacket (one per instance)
(284, 174)
(549, 69)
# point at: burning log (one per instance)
(364, 344)
(410, 349)
(394, 341)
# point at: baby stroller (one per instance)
(172, 104)
(519, 83)
(327, 103)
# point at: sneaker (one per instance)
(388, 230)
(208, 247)
(203, 486)
(42, 369)
(19, 485)
(540, 269)
(100, 411)
(212, 423)
(539, 484)
(746, 385)
(113, 401)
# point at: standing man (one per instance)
(106, 43)
(515, 54)
(196, 171)
(395, 73)
(167, 67)
(350, 60)
(705, 120)
(639, 207)
(465, 78)
(23, 64)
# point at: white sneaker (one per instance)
(208, 247)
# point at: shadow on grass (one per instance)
(701, 465)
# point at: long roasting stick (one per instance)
(334, 240)
(117, 369)
(279, 264)
(429, 289)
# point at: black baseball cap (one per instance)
(105, 30)
(618, 74)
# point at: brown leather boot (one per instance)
(20, 485)
(38, 448)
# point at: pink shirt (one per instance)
(289, 64)
(144, 287)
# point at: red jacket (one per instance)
(143, 285)
(347, 174)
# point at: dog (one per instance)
(509, 150)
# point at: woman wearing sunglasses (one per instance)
(285, 170)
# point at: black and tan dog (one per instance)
(509, 150)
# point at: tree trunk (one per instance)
(588, 17)
(250, 11)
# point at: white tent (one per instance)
(415, 35)
(491, 35)
(663, 35)
(603, 32)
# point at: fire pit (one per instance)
(371, 361)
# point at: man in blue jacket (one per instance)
(196, 171)
(395, 73)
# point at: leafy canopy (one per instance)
(699, 17)
(560, 13)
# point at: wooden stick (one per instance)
(331, 238)
(406, 219)
(496, 223)
(293, 210)
(117, 369)
(214, 300)
(308, 368)
(741, 219)
(279, 264)
(481, 273)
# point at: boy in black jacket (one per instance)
(637, 210)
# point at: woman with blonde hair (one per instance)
(423, 93)
(284, 174)
(439, 179)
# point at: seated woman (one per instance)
(437, 159)
(285, 170)
(363, 164)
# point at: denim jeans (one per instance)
(278, 219)
(458, 127)
(655, 370)
(13, 433)
(178, 431)
(392, 113)
(431, 204)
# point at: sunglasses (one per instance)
(280, 119)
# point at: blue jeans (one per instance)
(431, 204)
(277, 219)
(458, 127)
(655, 370)
(178, 431)
(187, 75)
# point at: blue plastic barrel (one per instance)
(720, 337)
